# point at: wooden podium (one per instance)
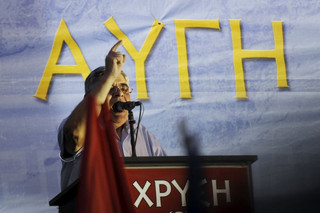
(160, 184)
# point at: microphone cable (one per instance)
(141, 112)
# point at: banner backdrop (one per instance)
(243, 75)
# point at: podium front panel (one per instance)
(161, 184)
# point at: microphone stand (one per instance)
(131, 122)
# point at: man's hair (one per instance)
(93, 77)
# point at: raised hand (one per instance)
(114, 61)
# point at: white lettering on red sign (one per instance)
(217, 191)
(163, 189)
(160, 194)
(182, 192)
(142, 193)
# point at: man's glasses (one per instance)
(124, 88)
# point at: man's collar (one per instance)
(126, 126)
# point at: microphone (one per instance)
(120, 106)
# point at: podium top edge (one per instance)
(184, 160)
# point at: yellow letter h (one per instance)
(238, 54)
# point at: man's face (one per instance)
(119, 92)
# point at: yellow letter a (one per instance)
(81, 67)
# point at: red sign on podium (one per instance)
(161, 184)
(164, 189)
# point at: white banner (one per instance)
(243, 75)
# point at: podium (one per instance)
(160, 184)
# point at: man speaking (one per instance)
(108, 85)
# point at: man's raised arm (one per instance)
(74, 129)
